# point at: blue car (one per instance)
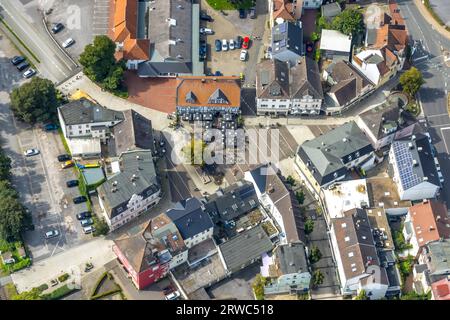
(50, 127)
(218, 45)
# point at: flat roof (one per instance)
(345, 196)
(383, 193)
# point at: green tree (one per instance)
(5, 165)
(12, 212)
(309, 226)
(98, 58)
(101, 227)
(258, 286)
(416, 296)
(322, 23)
(35, 101)
(33, 294)
(362, 295)
(317, 278)
(193, 152)
(300, 195)
(290, 180)
(411, 81)
(315, 36)
(349, 22)
(240, 121)
(315, 255)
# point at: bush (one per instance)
(22, 264)
(98, 283)
(101, 226)
(43, 287)
(258, 286)
(309, 226)
(315, 255)
(63, 277)
(59, 293)
(290, 180)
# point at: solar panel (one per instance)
(404, 158)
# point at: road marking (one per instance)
(443, 137)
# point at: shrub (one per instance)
(258, 286)
(21, 265)
(59, 293)
(63, 277)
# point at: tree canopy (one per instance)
(12, 212)
(349, 22)
(35, 101)
(5, 165)
(100, 65)
(411, 81)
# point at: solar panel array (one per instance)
(404, 158)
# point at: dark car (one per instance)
(57, 27)
(218, 74)
(168, 289)
(72, 183)
(238, 43)
(252, 13)
(64, 157)
(84, 215)
(203, 50)
(218, 45)
(17, 59)
(205, 17)
(79, 199)
(50, 127)
(242, 14)
(22, 66)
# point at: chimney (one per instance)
(438, 218)
(415, 164)
(410, 146)
(419, 148)
(203, 80)
(114, 183)
(431, 228)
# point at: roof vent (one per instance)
(425, 178)
(344, 139)
(413, 137)
(113, 190)
(114, 183)
(415, 164)
(137, 157)
(419, 148)
(410, 145)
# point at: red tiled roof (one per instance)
(430, 221)
(441, 289)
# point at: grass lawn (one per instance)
(230, 5)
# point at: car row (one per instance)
(21, 64)
(239, 43)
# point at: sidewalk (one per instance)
(424, 12)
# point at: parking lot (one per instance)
(82, 19)
(228, 27)
(39, 179)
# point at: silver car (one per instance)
(30, 152)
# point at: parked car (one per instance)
(173, 296)
(17, 59)
(88, 229)
(68, 43)
(50, 127)
(242, 14)
(203, 50)
(87, 222)
(22, 66)
(51, 234)
(30, 152)
(205, 17)
(224, 45)
(84, 215)
(246, 43)
(29, 73)
(218, 73)
(167, 290)
(57, 27)
(218, 45)
(79, 199)
(64, 157)
(206, 31)
(252, 13)
(231, 44)
(72, 183)
(67, 164)
(238, 42)
(243, 55)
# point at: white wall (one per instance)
(85, 130)
(180, 258)
(200, 237)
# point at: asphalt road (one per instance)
(429, 59)
(40, 181)
(26, 21)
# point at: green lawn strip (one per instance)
(20, 40)
(64, 142)
(104, 277)
(228, 5)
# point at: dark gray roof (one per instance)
(387, 116)
(170, 30)
(232, 202)
(292, 258)
(135, 132)
(439, 253)
(415, 161)
(84, 111)
(137, 177)
(246, 246)
(371, 36)
(328, 153)
(156, 69)
(331, 10)
(287, 36)
(189, 217)
(277, 80)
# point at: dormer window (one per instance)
(218, 97)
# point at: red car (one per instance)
(245, 43)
